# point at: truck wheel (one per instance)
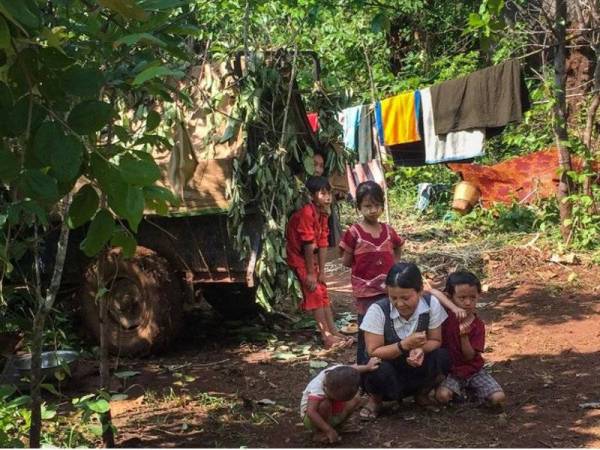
(231, 300)
(144, 302)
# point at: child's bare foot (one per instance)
(426, 400)
(350, 339)
(332, 341)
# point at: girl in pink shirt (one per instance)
(370, 248)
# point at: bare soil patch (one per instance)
(218, 388)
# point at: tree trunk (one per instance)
(108, 438)
(560, 119)
(44, 306)
(589, 125)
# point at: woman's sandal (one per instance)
(368, 414)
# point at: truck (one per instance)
(188, 254)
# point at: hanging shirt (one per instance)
(350, 119)
(489, 98)
(399, 119)
(454, 146)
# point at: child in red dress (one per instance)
(370, 248)
(306, 248)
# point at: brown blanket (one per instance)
(489, 98)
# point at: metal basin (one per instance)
(50, 360)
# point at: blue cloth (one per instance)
(418, 112)
(379, 121)
(351, 122)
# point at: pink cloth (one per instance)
(364, 172)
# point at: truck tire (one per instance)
(231, 300)
(145, 300)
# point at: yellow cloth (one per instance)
(399, 119)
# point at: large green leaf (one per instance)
(53, 58)
(99, 232)
(39, 186)
(84, 206)
(125, 240)
(4, 34)
(47, 141)
(9, 165)
(154, 72)
(23, 13)
(25, 212)
(134, 206)
(18, 117)
(152, 121)
(83, 81)
(158, 199)
(140, 38)
(90, 116)
(66, 159)
(127, 8)
(126, 201)
(138, 168)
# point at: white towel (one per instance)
(452, 146)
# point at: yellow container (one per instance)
(466, 195)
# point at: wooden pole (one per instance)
(385, 190)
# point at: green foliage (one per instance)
(73, 103)
(15, 417)
(93, 407)
(500, 218)
(276, 158)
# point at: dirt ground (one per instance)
(231, 384)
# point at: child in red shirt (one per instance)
(463, 335)
(306, 247)
(370, 248)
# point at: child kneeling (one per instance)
(463, 335)
(331, 397)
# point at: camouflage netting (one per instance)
(244, 145)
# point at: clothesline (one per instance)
(445, 122)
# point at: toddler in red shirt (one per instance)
(306, 247)
(370, 248)
(463, 335)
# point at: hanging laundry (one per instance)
(313, 120)
(397, 119)
(454, 146)
(372, 171)
(408, 155)
(490, 98)
(365, 136)
(350, 118)
(358, 131)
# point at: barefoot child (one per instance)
(463, 335)
(331, 397)
(306, 249)
(370, 248)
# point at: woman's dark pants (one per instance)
(395, 379)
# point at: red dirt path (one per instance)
(542, 342)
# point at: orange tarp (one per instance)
(525, 178)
